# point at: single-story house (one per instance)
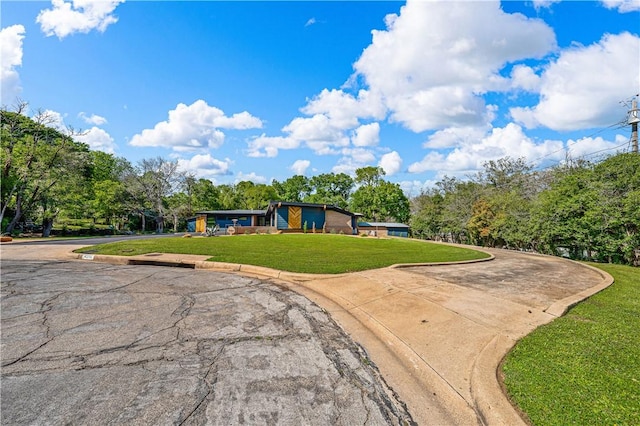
(296, 217)
(226, 218)
(280, 216)
(384, 229)
(284, 216)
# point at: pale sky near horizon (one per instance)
(239, 90)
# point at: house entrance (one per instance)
(295, 217)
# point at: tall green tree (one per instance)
(230, 199)
(107, 196)
(592, 211)
(426, 215)
(295, 189)
(154, 180)
(458, 200)
(37, 160)
(254, 196)
(331, 188)
(377, 199)
(501, 214)
(202, 195)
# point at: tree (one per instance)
(295, 189)
(202, 194)
(331, 188)
(561, 216)
(458, 200)
(505, 174)
(177, 208)
(107, 198)
(254, 196)
(426, 215)
(482, 224)
(617, 182)
(37, 160)
(229, 197)
(369, 176)
(501, 215)
(155, 179)
(592, 210)
(377, 199)
(259, 196)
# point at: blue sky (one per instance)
(266, 90)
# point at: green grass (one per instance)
(318, 254)
(583, 368)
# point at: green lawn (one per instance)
(583, 368)
(308, 253)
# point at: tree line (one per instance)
(47, 175)
(579, 209)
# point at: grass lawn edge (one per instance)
(349, 254)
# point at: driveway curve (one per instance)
(437, 333)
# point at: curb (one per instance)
(488, 397)
(562, 306)
(245, 269)
(487, 390)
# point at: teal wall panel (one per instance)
(311, 215)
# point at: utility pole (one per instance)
(633, 120)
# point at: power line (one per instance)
(620, 125)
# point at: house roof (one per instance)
(234, 212)
(277, 204)
(382, 225)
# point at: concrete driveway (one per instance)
(436, 333)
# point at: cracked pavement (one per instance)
(89, 343)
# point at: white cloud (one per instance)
(54, 119)
(204, 165)
(93, 119)
(360, 155)
(539, 4)
(318, 133)
(98, 140)
(623, 6)
(79, 16)
(366, 135)
(310, 22)
(583, 87)
(268, 146)
(195, 126)
(299, 167)
(333, 116)
(585, 147)
(11, 54)
(252, 177)
(344, 109)
(346, 165)
(455, 136)
(435, 60)
(391, 163)
(523, 77)
(500, 142)
(413, 188)
(353, 158)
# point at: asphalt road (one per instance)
(90, 343)
(86, 241)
